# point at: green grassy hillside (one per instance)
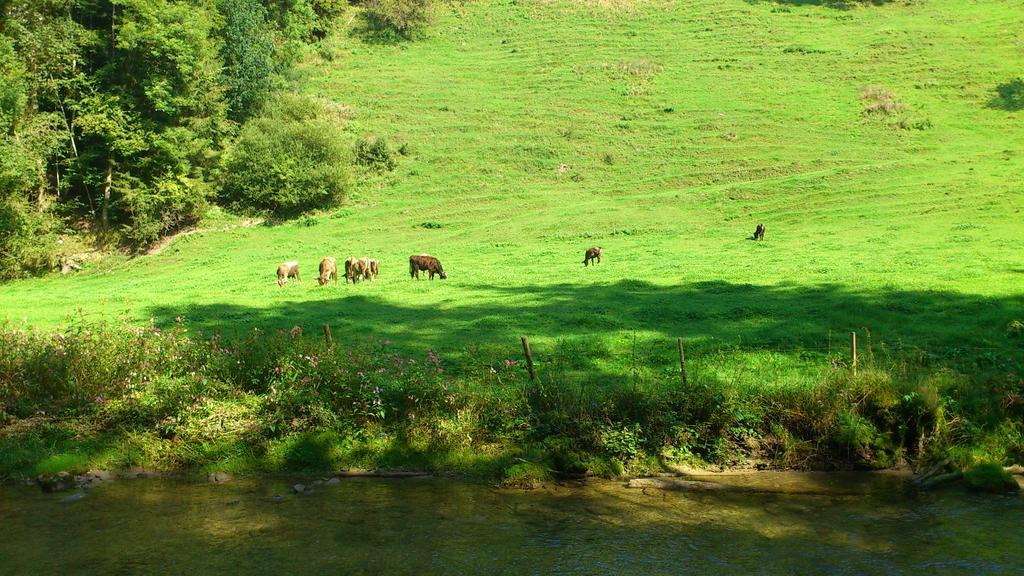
(663, 132)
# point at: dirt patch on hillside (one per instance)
(168, 240)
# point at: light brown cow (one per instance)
(287, 270)
(356, 268)
(328, 271)
(592, 254)
(374, 268)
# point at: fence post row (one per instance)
(529, 357)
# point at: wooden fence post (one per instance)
(529, 357)
(853, 352)
(682, 361)
(327, 335)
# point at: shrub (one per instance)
(290, 158)
(990, 477)
(28, 243)
(1015, 329)
(881, 101)
(400, 16)
(374, 152)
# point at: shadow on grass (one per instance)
(1009, 96)
(835, 4)
(711, 315)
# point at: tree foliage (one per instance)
(117, 113)
(248, 56)
(401, 16)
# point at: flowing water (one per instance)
(815, 524)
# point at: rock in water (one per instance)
(219, 477)
(299, 488)
(55, 482)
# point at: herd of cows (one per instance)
(368, 268)
(360, 268)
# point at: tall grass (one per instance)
(110, 395)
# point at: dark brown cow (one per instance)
(287, 270)
(328, 271)
(356, 268)
(592, 254)
(427, 263)
(759, 232)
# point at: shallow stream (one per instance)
(821, 524)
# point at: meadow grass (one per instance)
(663, 132)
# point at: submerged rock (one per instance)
(72, 498)
(676, 484)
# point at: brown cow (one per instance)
(328, 271)
(592, 254)
(287, 270)
(759, 232)
(356, 268)
(427, 263)
(374, 268)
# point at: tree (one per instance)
(248, 53)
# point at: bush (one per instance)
(879, 101)
(374, 152)
(28, 243)
(290, 158)
(401, 16)
(990, 477)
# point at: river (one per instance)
(818, 524)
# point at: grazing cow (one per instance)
(374, 268)
(287, 270)
(427, 263)
(356, 268)
(759, 232)
(328, 271)
(592, 254)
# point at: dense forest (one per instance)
(123, 120)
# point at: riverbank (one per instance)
(112, 397)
